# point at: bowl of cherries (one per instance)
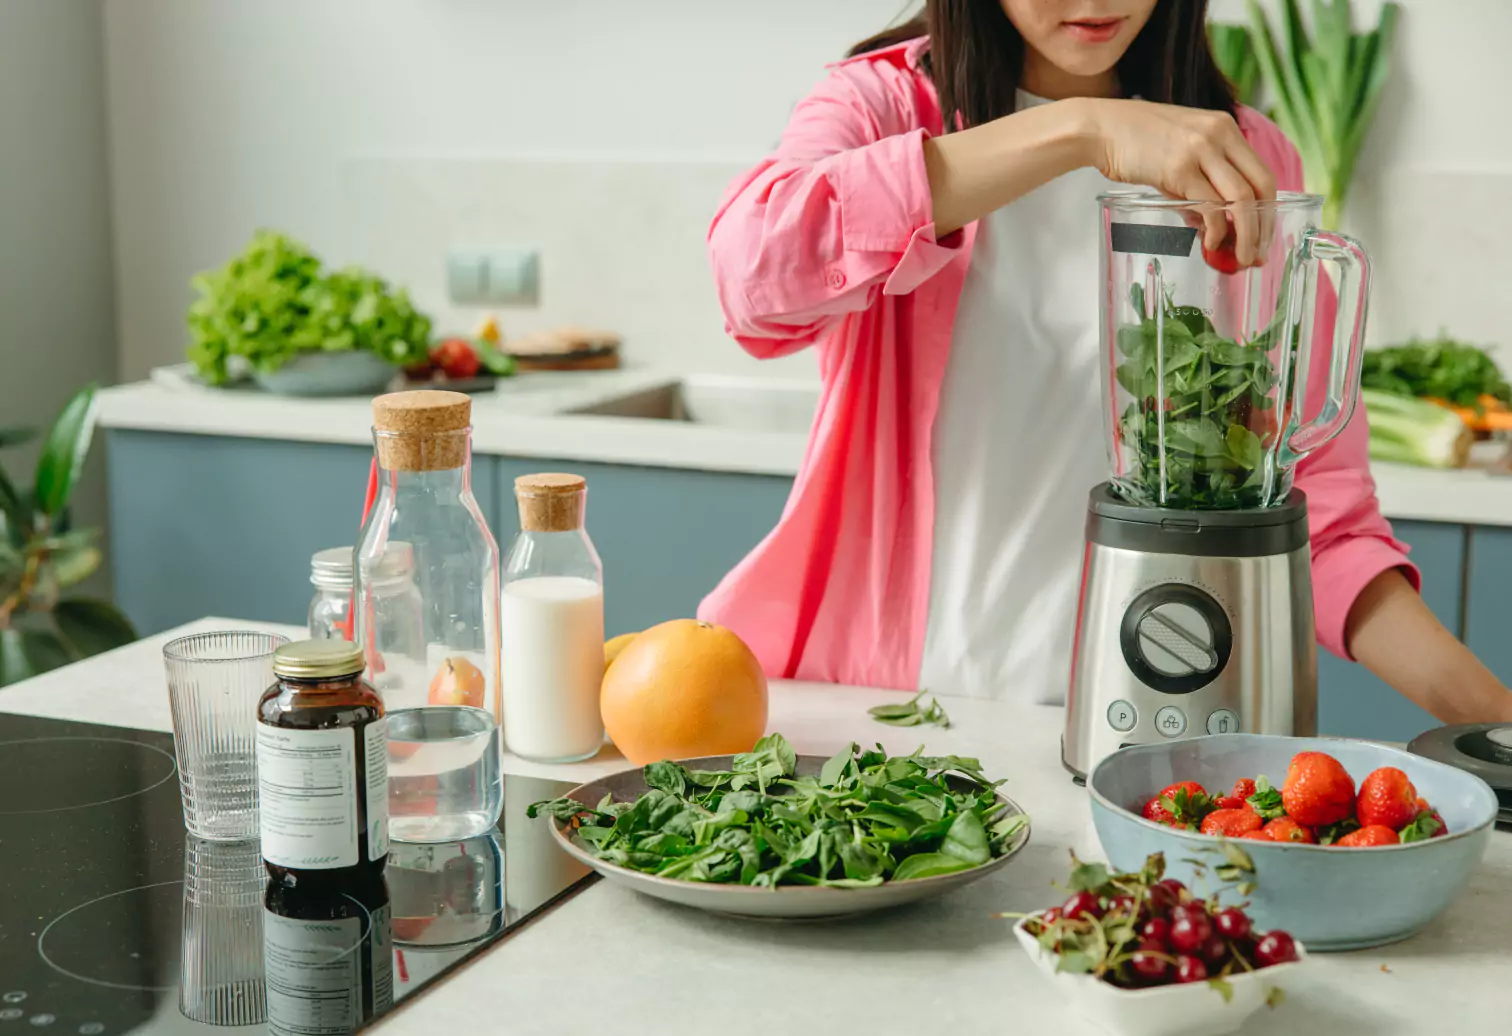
(1140, 954)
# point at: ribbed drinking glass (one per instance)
(221, 968)
(214, 681)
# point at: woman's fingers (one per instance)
(1233, 187)
(1263, 182)
(1197, 187)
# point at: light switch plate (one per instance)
(502, 275)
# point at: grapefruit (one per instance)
(684, 689)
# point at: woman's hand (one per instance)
(1189, 153)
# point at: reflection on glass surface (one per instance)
(328, 958)
(113, 922)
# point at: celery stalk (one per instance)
(1404, 430)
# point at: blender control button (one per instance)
(1170, 721)
(1222, 721)
(1121, 716)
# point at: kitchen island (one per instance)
(227, 493)
(608, 961)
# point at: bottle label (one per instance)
(307, 797)
(376, 750)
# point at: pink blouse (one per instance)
(830, 243)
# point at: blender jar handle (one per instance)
(1348, 345)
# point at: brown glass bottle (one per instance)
(322, 767)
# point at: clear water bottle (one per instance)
(439, 678)
(552, 614)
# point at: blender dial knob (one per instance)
(1176, 639)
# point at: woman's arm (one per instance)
(1391, 631)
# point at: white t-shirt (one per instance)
(1018, 442)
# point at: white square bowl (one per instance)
(1187, 1009)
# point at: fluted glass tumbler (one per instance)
(214, 681)
(221, 969)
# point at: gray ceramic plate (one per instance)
(789, 902)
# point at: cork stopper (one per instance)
(551, 502)
(421, 430)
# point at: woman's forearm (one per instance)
(979, 170)
(1394, 635)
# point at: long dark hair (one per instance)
(976, 55)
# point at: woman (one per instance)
(948, 283)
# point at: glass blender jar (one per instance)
(1195, 611)
(1207, 364)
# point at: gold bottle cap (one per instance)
(550, 502)
(418, 430)
(318, 659)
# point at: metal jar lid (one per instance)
(318, 660)
(331, 569)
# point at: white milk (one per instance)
(552, 649)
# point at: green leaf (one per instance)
(28, 653)
(1238, 857)
(15, 512)
(1088, 877)
(62, 459)
(1266, 801)
(72, 565)
(1422, 828)
(929, 865)
(1224, 989)
(16, 436)
(91, 627)
(967, 840)
(667, 777)
(1076, 962)
(839, 766)
(1274, 997)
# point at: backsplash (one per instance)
(621, 246)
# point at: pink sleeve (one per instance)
(840, 212)
(1352, 542)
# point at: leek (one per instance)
(1413, 431)
(1325, 88)
(1234, 51)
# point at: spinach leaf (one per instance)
(911, 713)
(929, 865)
(668, 777)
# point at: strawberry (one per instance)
(1231, 823)
(1285, 829)
(1179, 805)
(1318, 790)
(1243, 788)
(1387, 798)
(457, 358)
(1222, 258)
(1259, 834)
(1374, 834)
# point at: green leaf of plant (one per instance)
(1238, 857)
(16, 436)
(71, 566)
(1088, 877)
(1274, 997)
(967, 839)
(90, 627)
(15, 512)
(1224, 989)
(1076, 962)
(929, 865)
(28, 653)
(63, 452)
(838, 766)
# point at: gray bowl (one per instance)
(787, 902)
(1329, 898)
(354, 372)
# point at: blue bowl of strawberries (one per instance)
(1344, 844)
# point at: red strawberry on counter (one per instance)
(1375, 834)
(1231, 823)
(1178, 805)
(1318, 790)
(1387, 798)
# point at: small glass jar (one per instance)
(322, 767)
(331, 607)
(552, 617)
(396, 599)
(439, 676)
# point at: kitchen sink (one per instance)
(746, 404)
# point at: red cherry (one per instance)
(1174, 887)
(1149, 962)
(1190, 932)
(1232, 923)
(1165, 894)
(1214, 950)
(1157, 930)
(1050, 916)
(1190, 969)
(1275, 948)
(1125, 905)
(1080, 904)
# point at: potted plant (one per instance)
(299, 330)
(42, 558)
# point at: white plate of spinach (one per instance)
(770, 833)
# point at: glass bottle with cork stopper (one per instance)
(440, 681)
(552, 615)
(322, 767)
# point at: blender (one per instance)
(1195, 611)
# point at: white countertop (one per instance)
(525, 417)
(634, 965)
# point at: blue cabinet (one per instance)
(1352, 701)
(207, 525)
(1488, 582)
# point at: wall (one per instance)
(384, 130)
(57, 317)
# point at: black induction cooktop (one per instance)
(113, 920)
